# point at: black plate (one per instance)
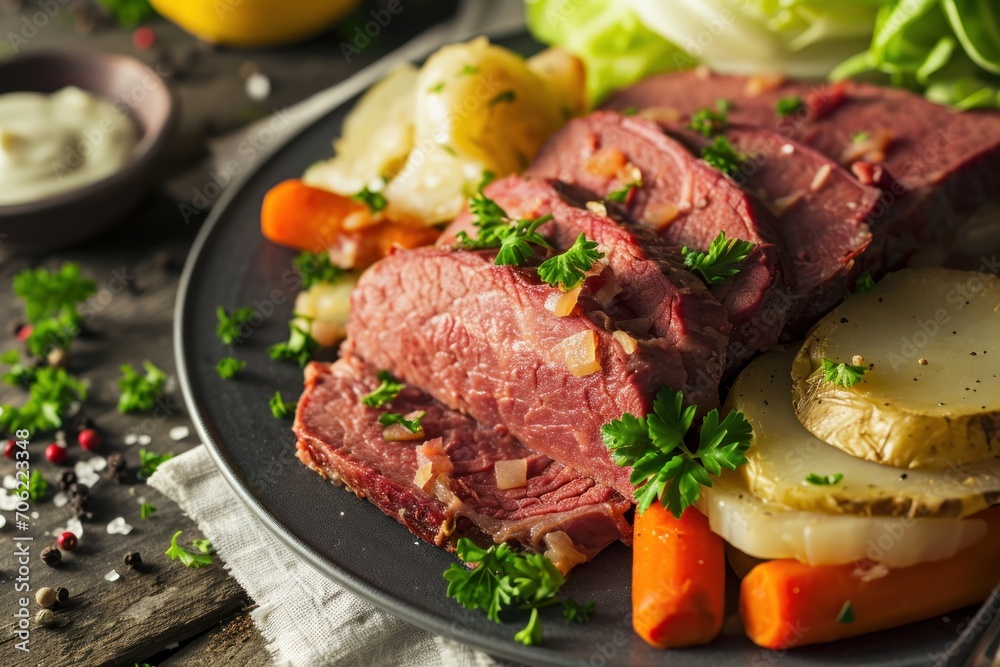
(351, 541)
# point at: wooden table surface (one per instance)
(167, 614)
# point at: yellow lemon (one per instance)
(253, 22)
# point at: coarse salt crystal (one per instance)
(112, 576)
(119, 527)
(60, 499)
(85, 473)
(179, 433)
(144, 439)
(9, 482)
(98, 463)
(7, 501)
(130, 438)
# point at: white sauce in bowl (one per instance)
(54, 143)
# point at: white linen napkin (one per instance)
(306, 619)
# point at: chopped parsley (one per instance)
(722, 260)
(19, 374)
(846, 614)
(52, 294)
(721, 155)
(298, 348)
(315, 268)
(204, 546)
(281, 408)
(388, 388)
(578, 613)
(51, 393)
(228, 367)
(664, 466)
(489, 219)
(38, 486)
(436, 89)
(516, 245)
(146, 510)
(411, 425)
(824, 480)
(842, 374)
(468, 70)
(229, 327)
(504, 579)
(569, 269)
(864, 283)
(629, 111)
(859, 137)
(724, 105)
(786, 106)
(505, 96)
(375, 201)
(150, 461)
(188, 558)
(620, 196)
(140, 393)
(709, 123)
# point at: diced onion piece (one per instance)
(630, 174)
(660, 214)
(607, 293)
(640, 325)
(597, 208)
(327, 334)
(562, 552)
(822, 174)
(562, 305)
(763, 83)
(399, 433)
(665, 115)
(579, 353)
(425, 474)
(782, 204)
(511, 474)
(606, 162)
(871, 149)
(627, 342)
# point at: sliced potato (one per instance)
(931, 398)
(325, 309)
(784, 453)
(769, 530)
(478, 107)
(377, 137)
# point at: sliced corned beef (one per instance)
(454, 461)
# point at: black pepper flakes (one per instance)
(115, 469)
(133, 560)
(51, 556)
(67, 478)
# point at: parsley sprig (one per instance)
(198, 558)
(375, 201)
(229, 367)
(503, 579)
(569, 269)
(230, 325)
(516, 245)
(140, 392)
(721, 261)
(621, 195)
(37, 485)
(150, 461)
(299, 346)
(52, 391)
(51, 294)
(316, 268)
(575, 612)
(412, 425)
(864, 283)
(710, 123)
(843, 374)
(721, 155)
(281, 408)
(664, 466)
(388, 388)
(824, 480)
(786, 106)
(146, 510)
(494, 229)
(19, 375)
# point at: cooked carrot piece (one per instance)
(678, 578)
(306, 218)
(784, 603)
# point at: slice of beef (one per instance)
(671, 302)
(342, 440)
(482, 339)
(685, 201)
(824, 215)
(943, 164)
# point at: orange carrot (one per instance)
(678, 578)
(307, 218)
(784, 603)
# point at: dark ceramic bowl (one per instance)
(78, 214)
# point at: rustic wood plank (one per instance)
(235, 643)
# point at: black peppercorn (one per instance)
(62, 594)
(133, 560)
(67, 478)
(116, 466)
(78, 490)
(51, 556)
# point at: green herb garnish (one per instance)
(140, 393)
(375, 201)
(51, 393)
(578, 613)
(411, 425)
(844, 375)
(707, 122)
(188, 558)
(436, 88)
(229, 327)
(858, 137)
(146, 510)
(664, 467)
(864, 283)
(53, 333)
(19, 374)
(786, 106)
(37, 485)
(204, 546)
(298, 348)
(389, 387)
(228, 367)
(504, 579)
(824, 480)
(280, 408)
(531, 634)
(316, 268)
(149, 462)
(620, 196)
(516, 246)
(505, 96)
(721, 155)
(468, 70)
(846, 614)
(724, 105)
(720, 262)
(52, 294)
(569, 269)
